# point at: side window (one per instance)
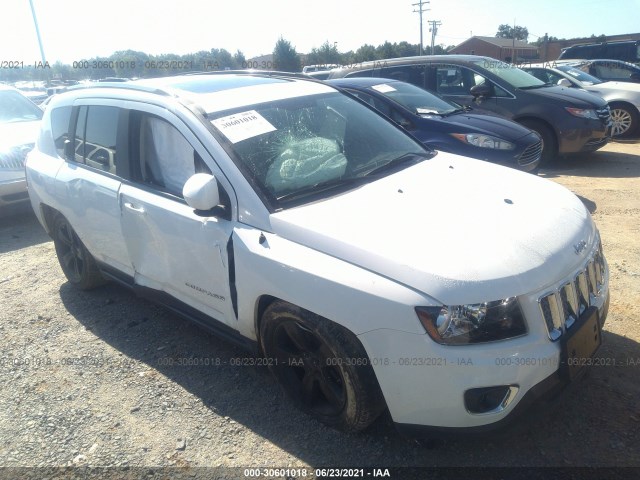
(60, 118)
(454, 80)
(374, 102)
(540, 74)
(166, 159)
(414, 74)
(610, 70)
(553, 78)
(95, 137)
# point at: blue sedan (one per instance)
(447, 126)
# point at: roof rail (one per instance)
(266, 73)
(121, 86)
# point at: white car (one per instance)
(623, 97)
(19, 126)
(370, 272)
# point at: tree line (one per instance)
(136, 64)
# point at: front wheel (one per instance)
(321, 366)
(77, 263)
(624, 120)
(549, 142)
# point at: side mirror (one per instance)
(201, 192)
(483, 90)
(635, 77)
(563, 82)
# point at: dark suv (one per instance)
(626, 50)
(568, 121)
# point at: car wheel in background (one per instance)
(549, 142)
(625, 120)
(321, 366)
(77, 263)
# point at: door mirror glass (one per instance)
(564, 83)
(201, 192)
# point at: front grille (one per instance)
(561, 308)
(531, 154)
(595, 142)
(13, 159)
(604, 114)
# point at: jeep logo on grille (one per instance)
(580, 246)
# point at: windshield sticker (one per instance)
(383, 88)
(240, 126)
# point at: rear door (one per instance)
(89, 181)
(173, 250)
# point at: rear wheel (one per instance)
(77, 263)
(549, 142)
(624, 119)
(321, 366)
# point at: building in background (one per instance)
(505, 49)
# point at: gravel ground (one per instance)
(105, 379)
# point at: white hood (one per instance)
(18, 133)
(626, 86)
(457, 229)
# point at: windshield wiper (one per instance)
(414, 157)
(427, 111)
(455, 110)
(322, 187)
(531, 87)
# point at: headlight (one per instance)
(483, 141)
(582, 113)
(476, 323)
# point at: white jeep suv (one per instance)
(370, 272)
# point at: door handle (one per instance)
(133, 207)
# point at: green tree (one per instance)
(517, 32)
(365, 53)
(285, 57)
(326, 54)
(239, 60)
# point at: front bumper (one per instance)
(424, 385)
(13, 191)
(541, 395)
(588, 139)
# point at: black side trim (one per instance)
(232, 276)
(206, 322)
(116, 275)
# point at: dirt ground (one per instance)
(85, 381)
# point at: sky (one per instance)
(72, 30)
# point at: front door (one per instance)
(172, 249)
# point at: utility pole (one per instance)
(421, 9)
(35, 22)
(434, 29)
(513, 39)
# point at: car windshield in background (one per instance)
(415, 98)
(512, 75)
(16, 108)
(297, 148)
(579, 75)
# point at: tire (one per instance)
(321, 366)
(625, 120)
(549, 142)
(75, 260)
